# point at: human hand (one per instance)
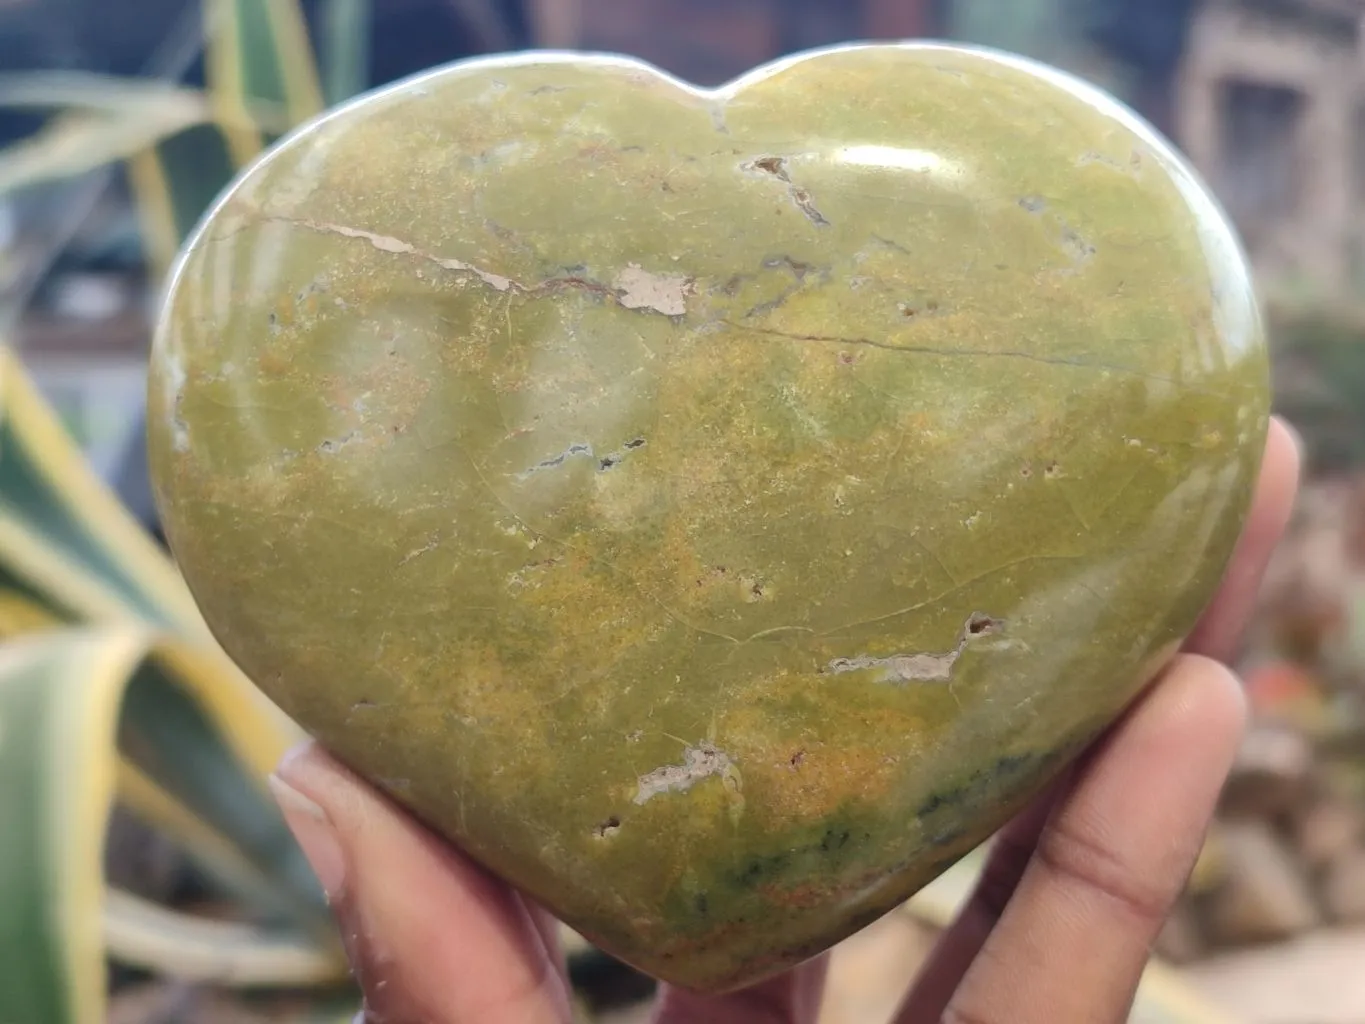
(1058, 930)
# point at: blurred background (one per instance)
(143, 875)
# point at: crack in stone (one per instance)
(331, 445)
(799, 271)
(776, 167)
(615, 458)
(430, 545)
(606, 462)
(578, 448)
(634, 288)
(891, 243)
(921, 667)
(974, 353)
(1133, 168)
(1076, 247)
(699, 762)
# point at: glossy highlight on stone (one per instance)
(715, 511)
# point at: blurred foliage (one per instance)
(1319, 352)
(113, 695)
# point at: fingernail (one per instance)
(314, 833)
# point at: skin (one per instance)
(1057, 932)
(714, 512)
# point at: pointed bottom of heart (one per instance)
(749, 909)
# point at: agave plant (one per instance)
(114, 697)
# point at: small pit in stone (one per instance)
(614, 458)
(773, 165)
(607, 828)
(776, 166)
(715, 573)
(910, 310)
(979, 625)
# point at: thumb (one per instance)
(432, 938)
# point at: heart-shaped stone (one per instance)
(715, 511)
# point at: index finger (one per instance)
(1219, 630)
(1216, 635)
(1110, 861)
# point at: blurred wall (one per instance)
(1271, 108)
(710, 41)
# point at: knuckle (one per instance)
(1081, 861)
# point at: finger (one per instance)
(790, 998)
(432, 938)
(953, 953)
(1111, 860)
(1220, 628)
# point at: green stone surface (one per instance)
(714, 511)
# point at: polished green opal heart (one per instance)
(715, 511)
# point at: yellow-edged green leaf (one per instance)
(190, 170)
(59, 697)
(125, 98)
(48, 492)
(139, 933)
(1163, 997)
(344, 48)
(259, 62)
(111, 95)
(105, 119)
(33, 565)
(258, 59)
(258, 50)
(22, 614)
(66, 540)
(68, 544)
(174, 182)
(217, 856)
(76, 144)
(69, 700)
(196, 741)
(199, 741)
(188, 726)
(190, 712)
(278, 58)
